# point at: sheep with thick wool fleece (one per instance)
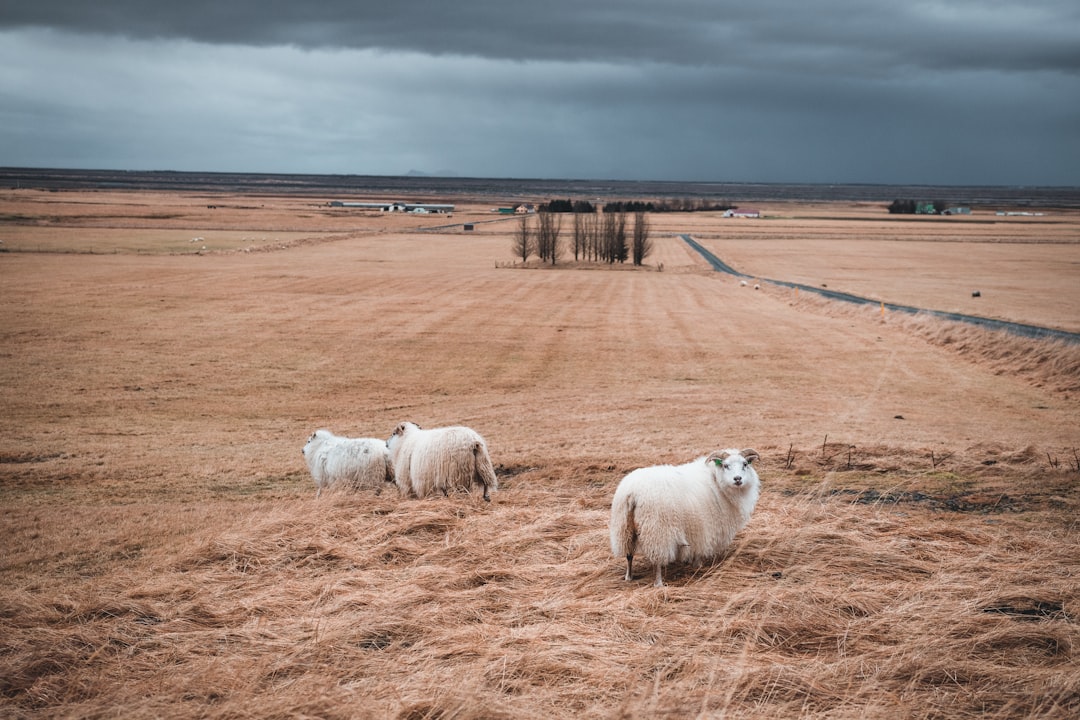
(440, 460)
(683, 513)
(357, 463)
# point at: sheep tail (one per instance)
(485, 472)
(628, 535)
(624, 528)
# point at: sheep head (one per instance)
(318, 434)
(398, 433)
(730, 466)
(403, 427)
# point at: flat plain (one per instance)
(166, 355)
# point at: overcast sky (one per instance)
(832, 91)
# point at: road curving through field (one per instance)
(1023, 329)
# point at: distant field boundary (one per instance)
(1031, 331)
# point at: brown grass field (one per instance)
(915, 552)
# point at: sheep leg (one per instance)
(629, 567)
(487, 498)
(659, 582)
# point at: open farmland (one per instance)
(913, 554)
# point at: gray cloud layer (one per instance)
(783, 90)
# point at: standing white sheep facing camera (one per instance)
(683, 513)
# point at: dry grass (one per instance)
(913, 553)
(384, 607)
(1052, 364)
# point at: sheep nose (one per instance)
(738, 481)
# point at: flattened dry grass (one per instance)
(359, 605)
(913, 554)
(1050, 364)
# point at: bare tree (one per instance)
(642, 244)
(547, 237)
(579, 237)
(595, 236)
(613, 246)
(590, 236)
(621, 248)
(607, 238)
(523, 240)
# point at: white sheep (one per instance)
(440, 460)
(356, 463)
(686, 513)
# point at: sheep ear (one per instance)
(750, 455)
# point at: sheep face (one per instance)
(732, 468)
(399, 432)
(309, 446)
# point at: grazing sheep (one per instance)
(353, 462)
(689, 512)
(440, 460)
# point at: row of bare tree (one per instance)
(597, 237)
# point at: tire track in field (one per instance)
(1023, 329)
(560, 327)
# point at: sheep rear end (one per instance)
(483, 470)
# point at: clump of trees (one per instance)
(667, 205)
(599, 237)
(568, 206)
(636, 206)
(911, 207)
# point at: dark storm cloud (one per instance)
(856, 33)
(775, 90)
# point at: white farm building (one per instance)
(396, 206)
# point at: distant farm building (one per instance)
(396, 206)
(957, 211)
(743, 213)
(520, 209)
